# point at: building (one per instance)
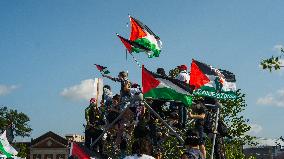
(49, 146)
(75, 137)
(266, 149)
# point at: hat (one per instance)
(93, 100)
(182, 67)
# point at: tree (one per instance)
(272, 62)
(237, 126)
(16, 122)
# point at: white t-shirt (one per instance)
(141, 157)
(183, 76)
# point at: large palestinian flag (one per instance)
(159, 87)
(142, 39)
(212, 82)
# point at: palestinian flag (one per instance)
(142, 39)
(5, 147)
(133, 46)
(212, 82)
(77, 151)
(159, 87)
(102, 69)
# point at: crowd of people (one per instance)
(121, 117)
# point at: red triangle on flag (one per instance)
(197, 77)
(99, 67)
(136, 30)
(126, 43)
(77, 151)
(148, 81)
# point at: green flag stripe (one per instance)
(145, 42)
(169, 94)
(4, 151)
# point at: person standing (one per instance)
(184, 77)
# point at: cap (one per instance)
(182, 67)
(93, 100)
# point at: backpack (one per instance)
(222, 128)
(208, 123)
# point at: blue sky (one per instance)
(48, 48)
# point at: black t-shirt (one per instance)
(200, 122)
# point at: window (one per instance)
(48, 156)
(37, 156)
(60, 156)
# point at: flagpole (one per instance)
(137, 62)
(71, 149)
(215, 129)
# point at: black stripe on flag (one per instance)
(186, 87)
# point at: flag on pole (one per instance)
(102, 69)
(78, 152)
(133, 46)
(212, 82)
(159, 87)
(5, 147)
(142, 39)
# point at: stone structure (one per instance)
(49, 146)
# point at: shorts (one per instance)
(201, 135)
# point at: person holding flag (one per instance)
(125, 84)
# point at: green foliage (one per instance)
(231, 113)
(22, 149)
(272, 62)
(18, 120)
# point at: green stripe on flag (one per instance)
(168, 94)
(147, 43)
(4, 151)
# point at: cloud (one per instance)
(255, 129)
(278, 47)
(84, 90)
(269, 142)
(273, 99)
(5, 89)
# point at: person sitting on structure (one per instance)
(191, 144)
(114, 109)
(95, 122)
(106, 100)
(125, 84)
(199, 111)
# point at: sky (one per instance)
(48, 48)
